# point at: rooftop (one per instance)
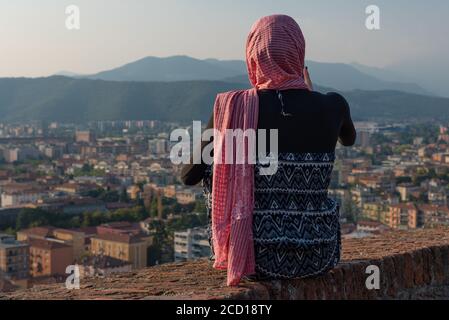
(413, 265)
(7, 242)
(46, 244)
(119, 237)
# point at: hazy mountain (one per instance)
(392, 75)
(346, 77)
(68, 74)
(182, 68)
(78, 100)
(385, 74)
(176, 68)
(239, 66)
(432, 74)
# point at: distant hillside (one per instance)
(176, 68)
(434, 83)
(65, 73)
(78, 100)
(396, 105)
(345, 77)
(183, 68)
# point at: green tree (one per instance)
(124, 196)
(348, 210)
(154, 207)
(110, 196)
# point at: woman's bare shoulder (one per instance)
(336, 100)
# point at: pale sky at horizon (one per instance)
(34, 40)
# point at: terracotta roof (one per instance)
(428, 207)
(408, 206)
(86, 230)
(371, 223)
(46, 232)
(118, 237)
(432, 207)
(67, 231)
(38, 231)
(46, 244)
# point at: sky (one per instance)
(413, 38)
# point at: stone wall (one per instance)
(412, 265)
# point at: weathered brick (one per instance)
(413, 264)
(437, 266)
(418, 268)
(338, 280)
(348, 281)
(399, 267)
(408, 270)
(427, 265)
(292, 291)
(389, 285)
(310, 289)
(329, 286)
(445, 258)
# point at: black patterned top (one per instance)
(296, 226)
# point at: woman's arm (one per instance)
(192, 174)
(348, 133)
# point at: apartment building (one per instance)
(20, 194)
(122, 246)
(191, 244)
(14, 260)
(21, 153)
(434, 215)
(375, 210)
(49, 258)
(404, 216)
(17, 198)
(85, 136)
(70, 238)
(406, 190)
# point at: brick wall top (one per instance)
(412, 264)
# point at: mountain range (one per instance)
(339, 76)
(66, 99)
(182, 88)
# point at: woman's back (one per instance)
(296, 226)
(313, 123)
(281, 225)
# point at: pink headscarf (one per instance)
(275, 52)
